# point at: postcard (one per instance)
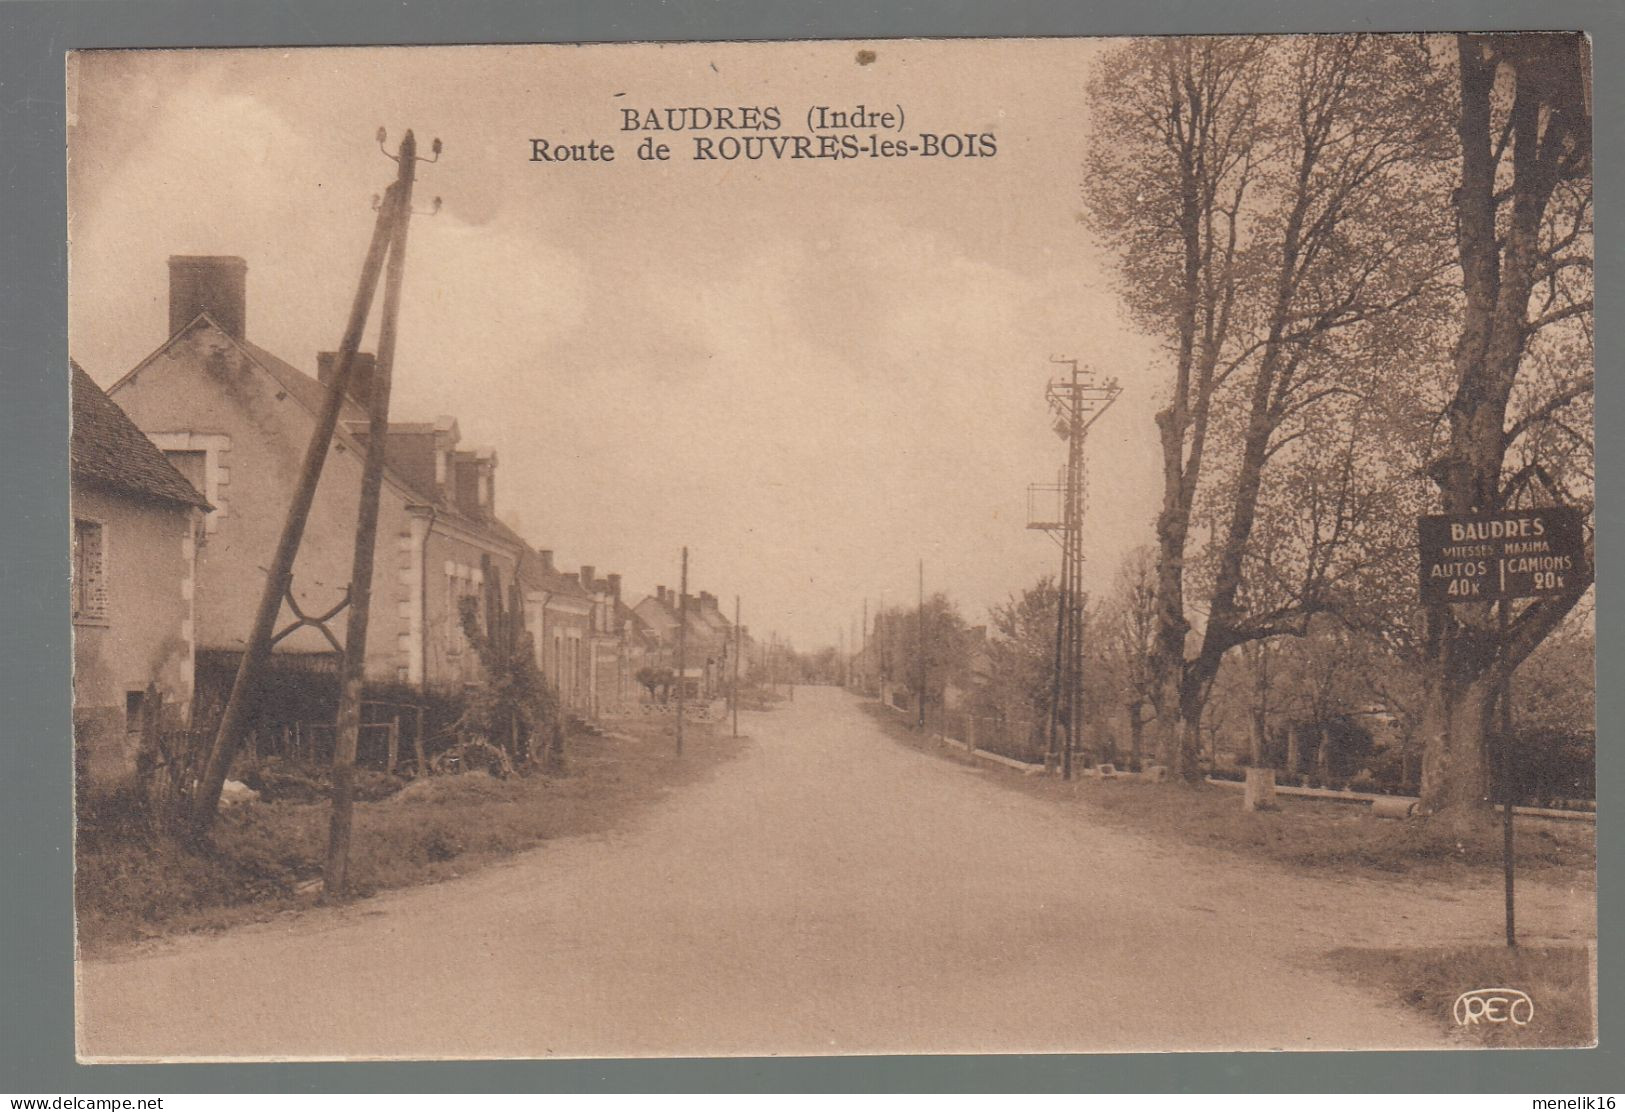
(833, 548)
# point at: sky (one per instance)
(812, 373)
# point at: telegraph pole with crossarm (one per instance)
(1076, 401)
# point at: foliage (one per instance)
(657, 681)
(265, 857)
(1021, 652)
(514, 703)
(1273, 205)
(922, 654)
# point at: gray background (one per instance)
(36, 971)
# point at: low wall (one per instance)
(1371, 797)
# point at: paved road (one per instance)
(830, 891)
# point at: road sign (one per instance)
(1512, 554)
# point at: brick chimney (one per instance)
(547, 559)
(660, 593)
(361, 370)
(587, 576)
(614, 579)
(486, 464)
(213, 284)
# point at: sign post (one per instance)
(1495, 558)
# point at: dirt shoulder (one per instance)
(1332, 873)
(1305, 834)
(266, 859)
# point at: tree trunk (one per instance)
(1323, 762)
(1500, 261)
(1455, 752)
(1258, 738)
(1186, 727)
(1136, 732)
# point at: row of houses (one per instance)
(182, 472)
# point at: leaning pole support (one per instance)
(279, 579)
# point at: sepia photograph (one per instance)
(825, 547)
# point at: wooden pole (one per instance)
(1052, 724)
(335, 877)
(682, 649)
(863, 671)
(1506, 785)
(279, 579)
(920, 644)
(738, 647)
(1074, 558)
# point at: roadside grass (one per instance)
(1558, 980)
(266, 858)
(1311, 834)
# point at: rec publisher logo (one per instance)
(1493, 1005)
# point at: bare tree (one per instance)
(1300, 218)
(1171, 165)
(1129, 631)
(1523, 238)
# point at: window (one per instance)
(461, 583)
(454, 614)
(89, 572)
(193, 465)
(201, 458)
(134, 703)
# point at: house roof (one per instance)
(106, 448)
(311, 393)
(534, 572)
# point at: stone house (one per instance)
(237, 419)
(559, 614)
(136, 520)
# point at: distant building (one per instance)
(136, 520)
(608, 679)
(706, 646)
(559, 615)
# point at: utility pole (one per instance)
(852, 653)
(279, 578)
(1504, 616)
(920, 643)
(738, 648)
(1077, 401)
(335, 877)
(682, 649)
